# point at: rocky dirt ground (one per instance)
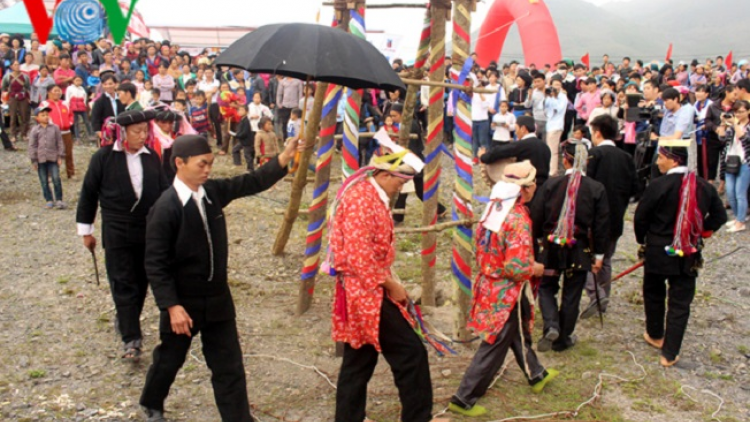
(59, 357)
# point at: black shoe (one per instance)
(153, 415)
(565, 345)
(545, 344)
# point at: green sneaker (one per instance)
(475, 410)
(538, 387)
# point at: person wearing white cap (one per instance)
(502, 310)
(369, 310)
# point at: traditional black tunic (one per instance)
(592, 236)
(107, 184)
(654, 223)
(615, 169)
(531, 148)
(187, 266)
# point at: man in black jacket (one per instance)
(655, 219)
(186, 263)
(125, 179)
(571, 216)
(416, 146)
(528, 147)
(615, 169)
(107, 105)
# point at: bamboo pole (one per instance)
(300, 178)
(410, 82)
(436, 227)
(464, 189)
(432, 167)
(388, 6)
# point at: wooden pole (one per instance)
(464, 190)
(300, 178)
(434, 141)
(388, 6)
(410, 101)
(435, 228)
(409, 81)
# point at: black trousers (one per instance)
(570, 117)
(675, 303)
(563, 319)
(419, 188)
(221, 347)
(214, 115)
(248, 151)
(283, 114)
(7, 144)
(128, 284)
(713, 150)
(490, 358)
(405, 353)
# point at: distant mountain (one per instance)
(643, 29)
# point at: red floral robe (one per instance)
(363, 247)
(505, 262)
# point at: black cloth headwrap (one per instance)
(166, 115)
(527, 122)
(190, 146)
(133, 117)
(679, 154)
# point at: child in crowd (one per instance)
(580, 133)
(266, 141)
(294, 125)
(504, 123)
(145, 96)
(164, 132)
(155, 98)
(46, 151)
(199, 114)
(180, 105)
(75, 96)
(93, 82)
(244, 139)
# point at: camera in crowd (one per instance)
(550, 91)
(727, 117)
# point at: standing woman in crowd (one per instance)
(17, 85)
(519, 95)
(186, 75)
(40, 85)
(713, 123)
(164, 83)
(735, 163)
(140, 80)
(174, 69)
(29, 68)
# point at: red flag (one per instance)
(669, 53)
(586, 59)
(728, 61)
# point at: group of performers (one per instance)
(163, 225)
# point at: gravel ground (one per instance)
(60, 356)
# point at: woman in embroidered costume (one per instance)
(502, 311)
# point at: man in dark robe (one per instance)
(125, 179)
(673, 254)
(571, 216)
(186, 263)
(614, 168)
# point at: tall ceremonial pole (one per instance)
(353, 98)
(319, 206)
(464, 184)
(410, 100)
(437, 16)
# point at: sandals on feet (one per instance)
(132, 351)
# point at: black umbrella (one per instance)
(312, 52)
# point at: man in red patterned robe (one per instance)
(369, 315)
(502, 311)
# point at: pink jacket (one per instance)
(586, 103)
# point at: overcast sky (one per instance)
(253, 13)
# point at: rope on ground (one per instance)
(597, 394)
(737, 249)
(311, 367)
(709, 392)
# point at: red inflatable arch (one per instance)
(538, 33)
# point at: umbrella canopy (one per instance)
(302, 51)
